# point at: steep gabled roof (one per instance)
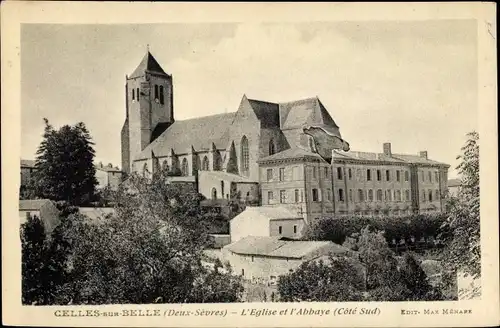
(310, 111)
(267, 112)
(148, 64)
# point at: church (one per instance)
(263, 153)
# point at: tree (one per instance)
(388, 277)
(462, 229)
(150, 251)
(43, 271)
(64, 165)
(334, 280)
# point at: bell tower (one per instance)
(149, 108)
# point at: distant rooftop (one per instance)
(107, 168)
(292, 153)
(28, 163)
(32, 204)
(386, 156)
(454, 183)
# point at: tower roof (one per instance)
(148, 64)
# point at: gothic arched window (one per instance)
(162, 98)
(145, 169)
(272, 147)
(133, 94)
(245, 157)
(217, 162)
(185, 168)
(214, 193)
(156, 91)
(165, 166)
(204, 165)
(137, 94)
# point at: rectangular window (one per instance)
(398, 175)
(314, 173)
(329, 194)
(296, 194)
(350, 195)
(407, 176)
(282, 174)
(133, 94)
(379, 175)
(282, 196)
(341, 195)
(326, 172)
(270, 196)
(388, 175)
(339, 173)
(436, 176)
(350, 174)
(430, 176)
(280, 230)
(315, 195)
(269, 175)
(295, 228)
(368, 175)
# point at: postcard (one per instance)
(249, 164)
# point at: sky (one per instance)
(413, 84)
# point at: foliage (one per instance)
(313, 281)
(395, 228)
(42, 268)
(463, 251)
(388, 277)
(64, 165)
(150, 251)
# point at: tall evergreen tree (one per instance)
(65, 169)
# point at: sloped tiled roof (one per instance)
(32, 204)
(395, 158)
(266, 112)
(276, 247)
(415, 159)
(199, 132)
(310, 111)
(28, 163)
(291, 153)
(148, 64)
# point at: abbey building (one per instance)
(262, 153)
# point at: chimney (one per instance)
(110, 165)
(387, 149)
(100, 164)
(423, 154)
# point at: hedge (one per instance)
(395, 229)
